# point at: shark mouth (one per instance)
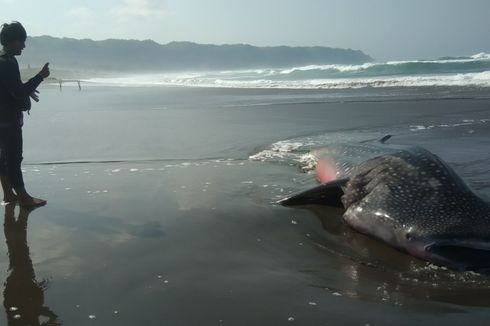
(461, 256)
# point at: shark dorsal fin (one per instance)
(385, 139)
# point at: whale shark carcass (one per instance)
(412, 200)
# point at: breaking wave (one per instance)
(472, 71)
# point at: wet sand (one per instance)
(204, 245)
(201, 242)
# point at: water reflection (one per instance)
(376, 272)
(23, 294)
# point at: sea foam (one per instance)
(473, 71)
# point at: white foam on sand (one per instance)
(462, 123)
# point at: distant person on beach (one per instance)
(14, 98)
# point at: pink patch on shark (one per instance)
(325, 170)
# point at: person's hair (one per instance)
(12, 32)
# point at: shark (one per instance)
(409, 198)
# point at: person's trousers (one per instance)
(11, 154)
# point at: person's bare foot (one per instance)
(9, 199)
(32, 202)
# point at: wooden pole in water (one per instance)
(60, 81)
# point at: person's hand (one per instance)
(45, 71)
(34, 95)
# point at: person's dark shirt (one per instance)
(14, 95)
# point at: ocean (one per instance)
(470, 71)
(162, 196)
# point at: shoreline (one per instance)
(330, 96)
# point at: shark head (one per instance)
(461, 244)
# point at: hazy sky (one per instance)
(384, 29)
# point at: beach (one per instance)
(162, 208)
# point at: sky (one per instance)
(383, 29)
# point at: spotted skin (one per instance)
(412, 200)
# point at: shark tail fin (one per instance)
(328, 194)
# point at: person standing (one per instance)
(14, 99)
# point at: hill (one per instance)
(132, 55)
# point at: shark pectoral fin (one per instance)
(328, 194)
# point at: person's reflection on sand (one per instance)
(23, 294)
